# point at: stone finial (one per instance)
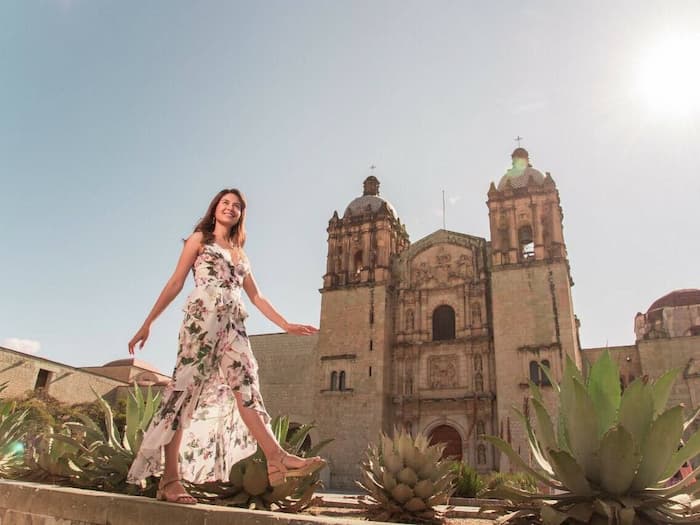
(371, 186)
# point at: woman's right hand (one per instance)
(140, 337)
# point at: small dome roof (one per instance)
(370, 201)
(132, 361)
(521, 171)
(685, 297)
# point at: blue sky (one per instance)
(120, 120)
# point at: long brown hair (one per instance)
(206, 224)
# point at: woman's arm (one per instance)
(262, 304)
(171, 288)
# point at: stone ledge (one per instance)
(36, 504)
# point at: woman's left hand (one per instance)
(300, 329)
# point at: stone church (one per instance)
(439, 336)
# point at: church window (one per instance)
(526, 242)
(479, 382)
(409, 320)
(370, 371)
(371, 316)
(481, 455)
(357, 260)
(334, 380)
(480, 428)
(537, 375)
(443, 323)
(371, 345)
(544, 379)
(341, 380)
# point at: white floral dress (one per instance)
(214, 361)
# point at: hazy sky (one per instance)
(120, 120)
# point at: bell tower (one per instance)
(533, 316)
(353, 375)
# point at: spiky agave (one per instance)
(610, 456)
(248, 485)
(405, 478)
(11, 438)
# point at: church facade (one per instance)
(439, 336)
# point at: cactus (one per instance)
(11, 438)
(405, 478)
(610, 458)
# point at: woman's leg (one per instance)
(266, 439)
(170, 482)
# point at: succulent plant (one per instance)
(85, 455)
(405, 478)
(248, 485)
(11, 438)
(610, 458)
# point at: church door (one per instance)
(448, 435)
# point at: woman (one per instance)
(212, 414)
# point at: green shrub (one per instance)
(468, 483)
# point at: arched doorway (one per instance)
(453, 442)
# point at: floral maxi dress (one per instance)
(214, 361)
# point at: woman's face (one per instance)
(228, 211)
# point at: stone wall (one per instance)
(65, 383)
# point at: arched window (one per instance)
(357, 261)
(341, 380)
(481, 455)
(334, 380)
(443, 323)
(544, 380)
(480, 428)
(526, 243)
(535, 372)
(479, 382)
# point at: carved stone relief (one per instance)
(442, 371)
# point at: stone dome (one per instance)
(370, 201)
(520, 173)
(685, 297)
(132, 361)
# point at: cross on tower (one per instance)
(518, 139)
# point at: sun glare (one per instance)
(669, 77)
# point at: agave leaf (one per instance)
(685, 453)
(663, 439)
(547, 371)
(676, 488)
(637, 411)
(517, 460)
(112, 432)
(619, 459)
(570, 473)
(581, 427)
(661, 390)
(604, 389)
(542, 462)
(543, 426)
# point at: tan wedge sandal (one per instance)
(183, 498)
(278, 471)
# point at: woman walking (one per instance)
(212, 414)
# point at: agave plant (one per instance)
(248, 485)
(92, 458)
(405, 478)
(610, 456)
(11, 438)
(467, 481)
